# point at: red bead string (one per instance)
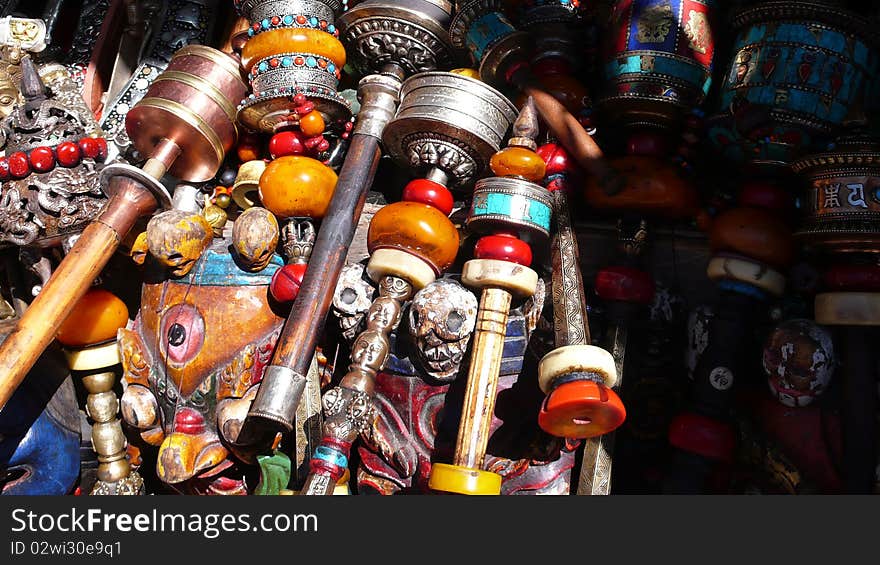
(43, 159)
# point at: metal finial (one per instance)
(525, 128)
(32, 87)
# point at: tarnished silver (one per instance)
(303, 77)
(281, 387)
(259, 10)
(450, 122)
(378, 95)
(156, 188)
(352, 299)
(298, 238)
(411, 34)
(272, 109)
(442, 317)
(519, 215)
(503, 42)
(569, 300)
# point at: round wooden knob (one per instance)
(581, 409)
(193, 104)
(95, 319)
(419, 229)
(296, 186)
(462, 480)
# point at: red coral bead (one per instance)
(276, 20)
(89, 147)
(625, 284)
(704, 436)
(286, 282)
(18, 165)
(102, 148)
(68, 154)
(429, 192)
(556, 159)
(285, 143)
(42, 160)
(4, 168)
(504, 247)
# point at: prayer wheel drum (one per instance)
(191, 104)
(450, 122)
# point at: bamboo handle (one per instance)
(70, 281)
(479, 400)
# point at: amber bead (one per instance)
(651, 186)
(466, 72)
(292, 40)
(754, 233)
(312, 124)
(417, 228)
(296, 186)
(95, 319)
(518, 162)
(248, 148)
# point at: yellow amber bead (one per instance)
(295, 186)
(518, 162)
(292, 40)
(417, 228)
(95, 319)
(472, 73)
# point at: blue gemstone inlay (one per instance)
(264, 66)
(311, 62)
(517, 207)
(286, 62)
(313, 22)
(332, 456)
(288, 20)
(486, 31)
(265, 24)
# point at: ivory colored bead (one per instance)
(93, 358)
(95, 318)
(749, 272)
(397, 263)
(847, 308)
(246, 187)
(490, 273)
(518, 162)
(576, 359)
(292, 40)
(296, 186)
(417, 228)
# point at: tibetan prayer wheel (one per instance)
(659, 61)
(798, 72)
(292, 48)
(184, 126)
(411, 242)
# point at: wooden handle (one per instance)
(479, 400)
(37, 327)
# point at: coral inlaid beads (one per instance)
(296, 186)
(292, 40)
(518, 162)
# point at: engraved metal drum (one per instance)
(799, 70)
(192, 104)
(511, 204)
(411, 34)
(659, 60)
(843, 196)
(448, 121)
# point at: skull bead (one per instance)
(799, 361)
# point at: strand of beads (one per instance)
(751, 247)
(89, 339)
(67, 154)
(512, 211)
(411, 243)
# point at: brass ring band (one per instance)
(202, 86)
(187, 115)
(212, 54)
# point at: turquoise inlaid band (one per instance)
(220, 269)
(518, 207)
(683, 70)
(331, 456)
(486, 31)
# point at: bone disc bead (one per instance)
(93, 358)
(397, 263)
(245, 189)
(755, 233)
(749, 272)
(490, 273)
(576, 359)
(418, 228)
(297, 187)
(292, 40)
(95, 319)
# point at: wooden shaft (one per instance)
(37, 327)
(479, 400)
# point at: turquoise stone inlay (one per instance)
(517, 207)
(486, 31)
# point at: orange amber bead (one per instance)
(296, 186)
(95, 319)
(417, 228)
(754, 232)
(312, 124)
(292, 40)
(518, 162)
